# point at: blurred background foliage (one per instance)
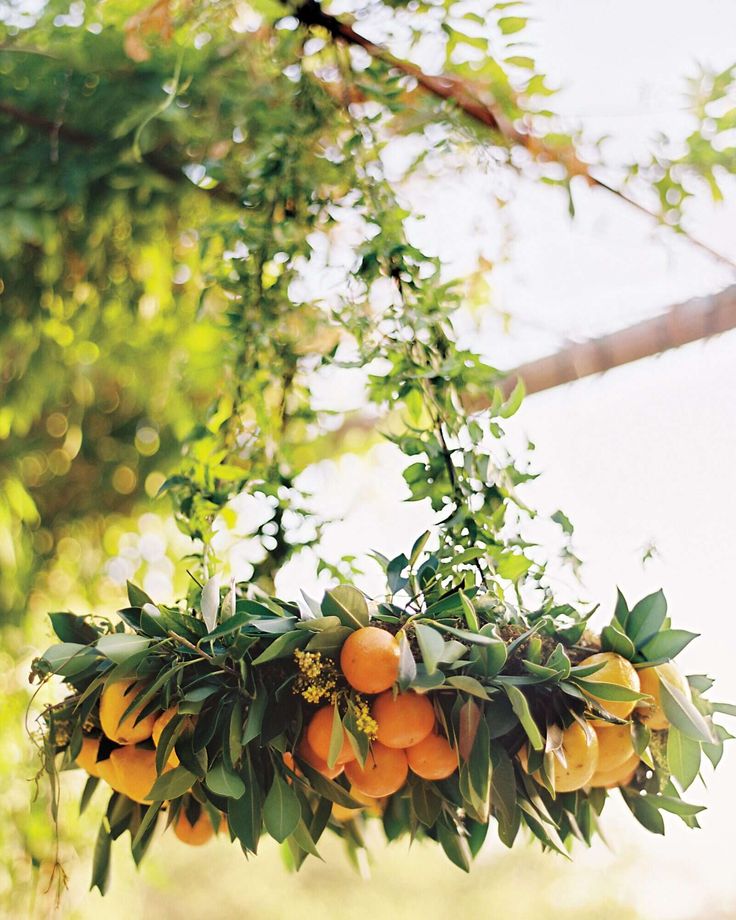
(173, 177)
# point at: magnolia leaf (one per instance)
(646, 619)
(224, 782)
(172, 784)
(281, 810)
(137, 597)
(347, 603)
(68, 658)
(471, 617)
(431, 645)
(468, 685)
(683, 757)
(211, 602)
(611, 692)
(407, 665)
(667, 644)
(614, 639)
(682, 714)
(118, 647)
(520, 706)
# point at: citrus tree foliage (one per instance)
(196, 223)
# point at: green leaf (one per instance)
(456, 847)
(468, 685)
(407, 665)
(348, 604)
(513, 403)
(118, 647)
(646, 619)
(471, 617)
(224, 782)
(683, 757)
(675, 806)
(172, 784)
(682, 714)
(69, 658)
(303, 839)
(282, 647)
(511, 24)
(330, 641)
(667, 644)
(614, 639)
(72, 628)
(101, 861)
(281, 810)
(431, 645)
(605, 691)
(337, 738)
(328, 788)
(520, 706)
(137, 597)
(645, 812)
(245, 815)
(621, 611)
(466, 636)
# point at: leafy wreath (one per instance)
(468, 694)
(437, 711)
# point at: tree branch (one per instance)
(482, 110)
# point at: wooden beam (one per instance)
(691, 321)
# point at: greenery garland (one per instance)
(436, 711)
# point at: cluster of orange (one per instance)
(131, 768)
(601, 754)
(406, 736)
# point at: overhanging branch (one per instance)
(482, 110)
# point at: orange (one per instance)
(369, 805)
(403, 720)
(87, 756)
(194, 834)
(342, 814)
(158, 726)
(133, 772)
(650, 711)
(433, 758)
(618, 776)
(581, 754)
(370, 659)
(319, 732)
(384, 773)
(304, 752)
(614, 746)
(114, 701)
(615, 670)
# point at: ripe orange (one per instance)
(370, 805)
(194, 834)
(304, 752)
(87, 756)
(615, 670)
(404, 720)
(158, 726)
(133, 772)
(319, 732)
(581, 754)
(114, 701)
(650, 711)
(433, 758)
(618, 776)
(370, 659)
(614, 746)
(384, 773)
